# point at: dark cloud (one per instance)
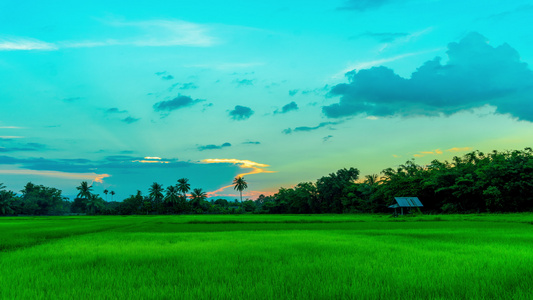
(318, 91)
(176, 103)
(188, 86)
(115, 110)
(183, 86)
(213, 147)
(362, 5)
(475, 75)
(382, 37)
(121, 158)
(23, 147)
(326, 138)
(164, 75)
(293, 92)
(241, 113)
(307, 128)
(109, 164)
(252, 143)
(130, 119)
(522, 9)
(286, 108)
(244, 82)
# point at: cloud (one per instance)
(107, 165)
(326, 138)
(251, 143)
(286, 108)
(152, 33)
(293, 92)
(213, 147)
(115, 110)
(19, 43)
(244, 82)
(56, 174)
(362, 5)
(23, 147)
(130, 119)
(522, 9)
(256, 168)
(307, 128)
(475, 75)
(188, 85)
(459, 149)
(382, 37)
(440, 152)
(241, 113)
(176, 103)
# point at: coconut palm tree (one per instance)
(197, 197)
(172, 195)
(240, 184)
(156, 191)
(112, 193)
(106, 192)
(85, 190)
(94, 202)
(183, 186)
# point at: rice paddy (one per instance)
(267, 257)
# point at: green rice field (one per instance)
(267, 257)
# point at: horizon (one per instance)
(126, 94)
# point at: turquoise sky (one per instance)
(127, 93)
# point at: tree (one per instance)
(156, 192)
(85, 190)
(197, 198)
(112, 194)
(41, 200)
(183, 186)
(6, 201)
(172, 195)
(105, 192)
(94, 203)
(240, 184)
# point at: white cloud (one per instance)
(17, 43)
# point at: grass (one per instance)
(267, 257)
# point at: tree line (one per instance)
(476, 182)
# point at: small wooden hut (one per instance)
(405, 202)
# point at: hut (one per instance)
(405, 202)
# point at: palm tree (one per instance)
(240, 184)
(105, 192)
(172, 194)
(156, 192)
(197, 197)
(85, 190)
(94, 202)
(112, 193)
(183, 186)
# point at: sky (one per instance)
(126, 93)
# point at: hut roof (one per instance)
(406, 202)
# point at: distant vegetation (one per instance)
(476, 182)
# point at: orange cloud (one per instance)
(456, 149)
(256, 168)
(83, 176)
